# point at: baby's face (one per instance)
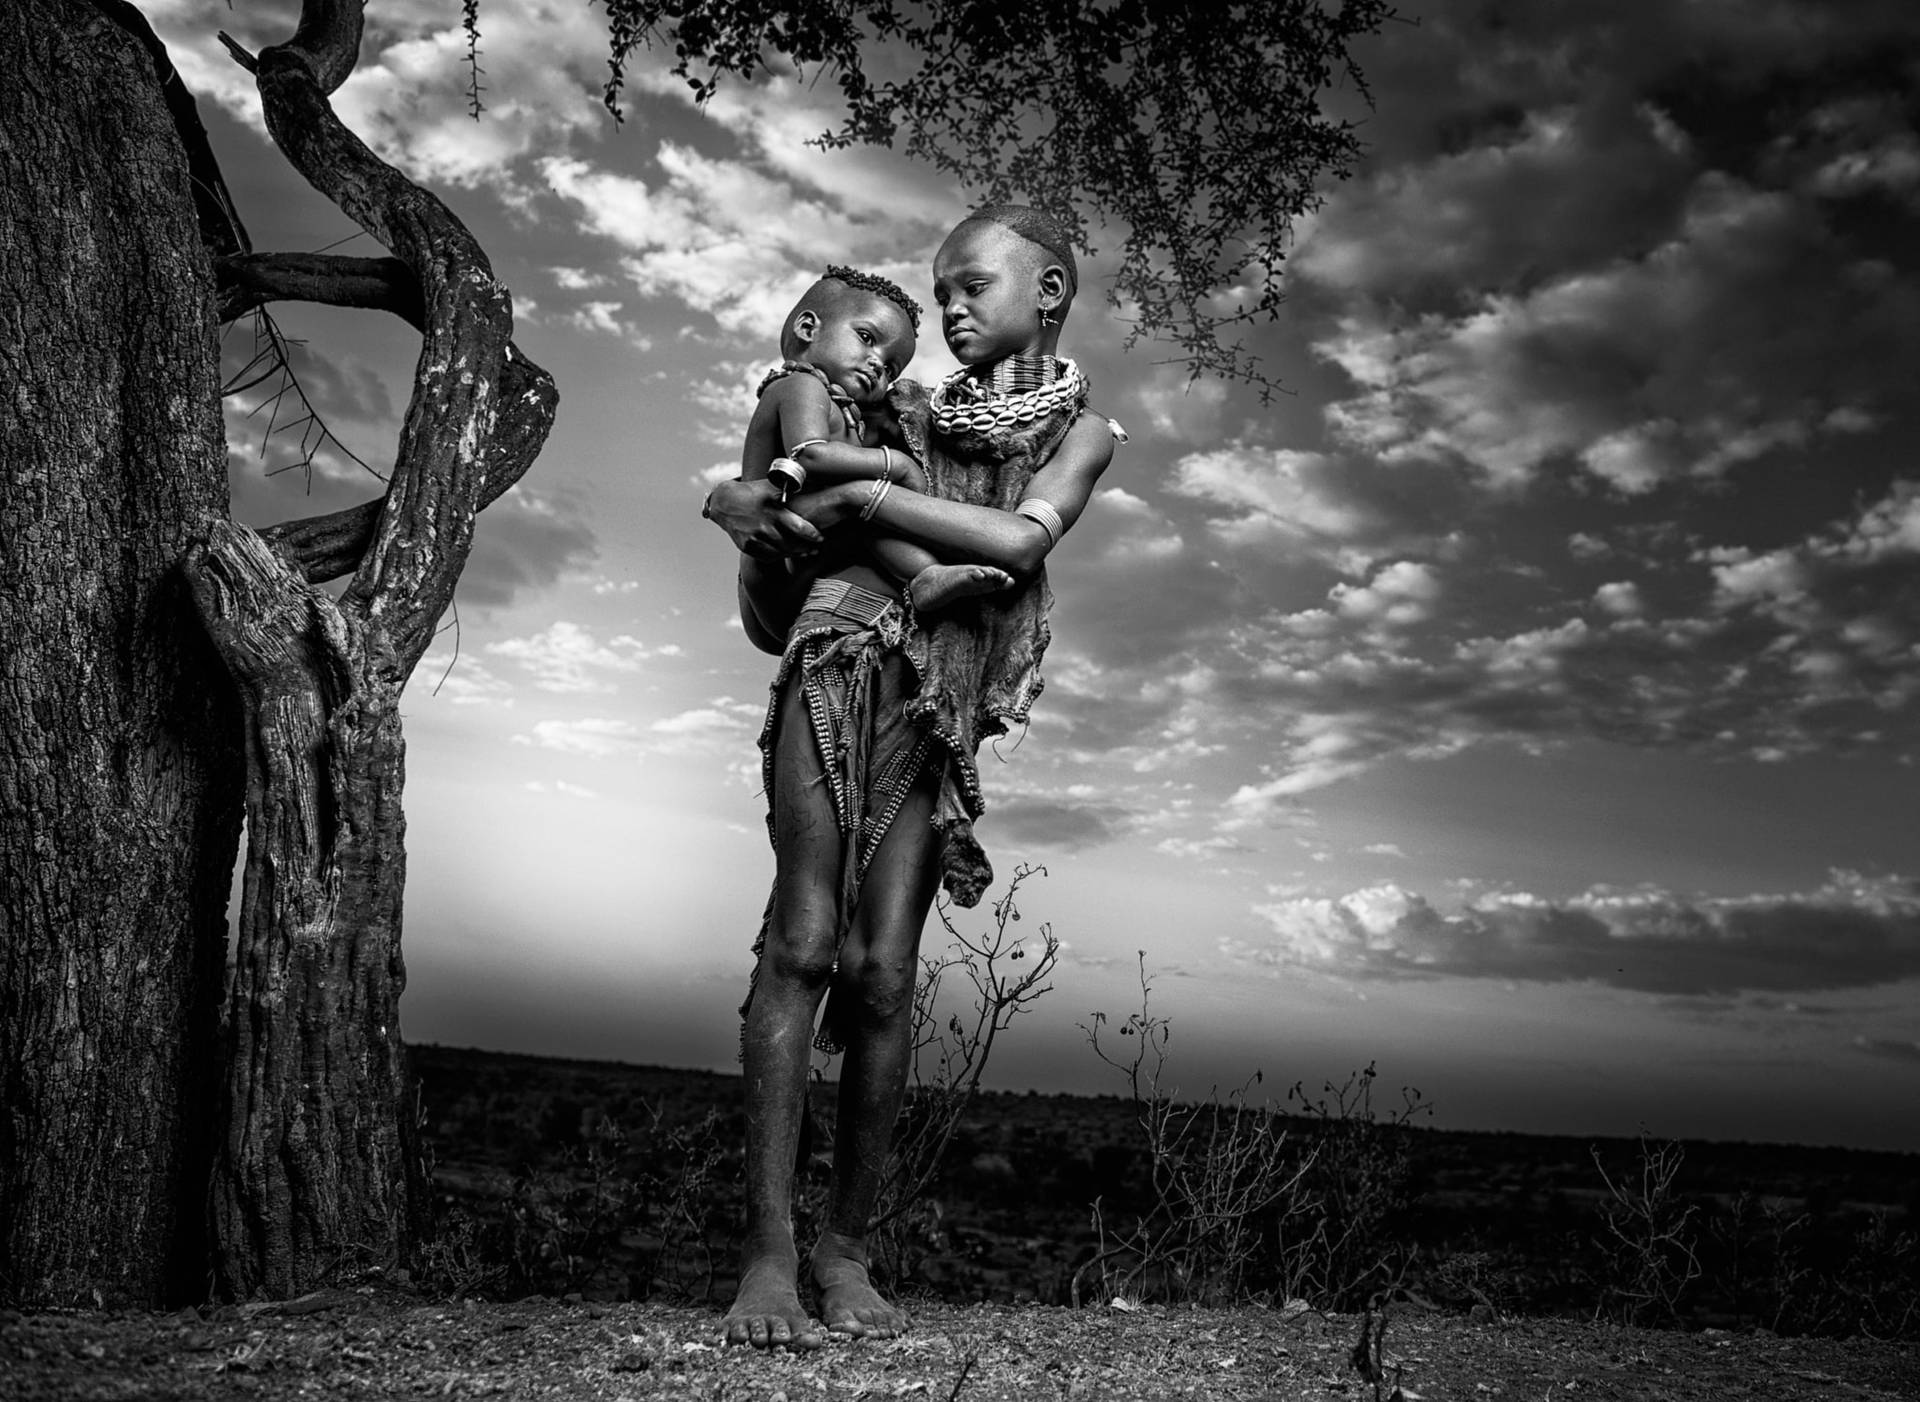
(863, 345)
(986, 280)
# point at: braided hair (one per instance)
(872, 282)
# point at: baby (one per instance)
(823, 419)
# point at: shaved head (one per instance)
(1038, 228)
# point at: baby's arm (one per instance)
(813, 433)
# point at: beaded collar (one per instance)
(839, 396)
(1011, 392)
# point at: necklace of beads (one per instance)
(842, 400)
(962, 401)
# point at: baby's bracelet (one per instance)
(787, 474)
(889, 460)
(876, 495)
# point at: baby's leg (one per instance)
(794, 970)
(873, 998)
(931, 584)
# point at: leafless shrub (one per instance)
(1647, 1244)
(1235, 1206)
(1006, 974)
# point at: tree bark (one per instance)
(318, 1176)
(119, 772)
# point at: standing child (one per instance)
(869, 738)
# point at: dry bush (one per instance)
(1236, 1207)
(1647, 1242)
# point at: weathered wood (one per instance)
(254, 279)
(333, 544)
(317, 1176)
(119, 771)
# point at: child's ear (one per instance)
(1053, 287)
(805, 325)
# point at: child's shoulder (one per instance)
(793, 381)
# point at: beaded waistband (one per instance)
(843, 599)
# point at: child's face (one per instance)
(986, 279)
(862, 345)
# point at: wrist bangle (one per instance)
(889, 460)
(787, 474)
(881, 486)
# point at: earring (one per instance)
(1047, 318)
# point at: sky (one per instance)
(1526, 700)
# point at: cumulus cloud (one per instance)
(567, 658)
(463, 681)
(407, 96)
(700, 234)
(1739, 334)
(722, 726)
(598, 737)
(1843, 606)
(1853, 932)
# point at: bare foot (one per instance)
(936, 586)
(848, 1302)
(767, 1312)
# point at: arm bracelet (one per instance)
(1042, 514)
(876, 495)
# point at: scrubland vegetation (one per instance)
(612, 1182)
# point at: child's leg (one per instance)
(873, 998)
(931, 584)
(794, 969)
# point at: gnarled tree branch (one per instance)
(251, 280)
(318, 1175)
(331, 545)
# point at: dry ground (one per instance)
(365, 1345)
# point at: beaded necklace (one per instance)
(839, 396)
(1014, 391)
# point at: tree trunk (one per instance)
(318, 1176)
(119, 772)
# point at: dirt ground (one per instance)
(367, 1345)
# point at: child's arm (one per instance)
(808, 423)
(982, 534)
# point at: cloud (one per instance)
(1740, 334)
(1280, 498)
(700, 235)
(598, 737)
(1889, 1048)
(1031, 820)
(407, 97)
(567, 658)
(525, 541)
(722, 726)
(1853, 932)
(461, 680)
(1572, 186)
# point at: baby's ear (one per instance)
(805, 325)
